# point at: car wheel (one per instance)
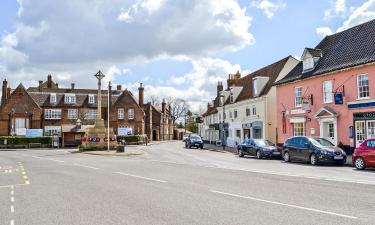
(259, 154)
(313, 160)
(240, 152)
(286, 157)
(189, 146)
(202, 147)
(359, 163)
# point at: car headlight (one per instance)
(343, 152)
(324, 152)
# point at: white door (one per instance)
(360, 132)
(370, 129)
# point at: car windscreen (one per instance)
(195, 138)
(263, 143)
(320, 142)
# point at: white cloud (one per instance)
(77, 38)
(269, 8)
(359, 15)
(338, 8)
(324, 31)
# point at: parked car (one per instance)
(312, 149)
(258, 147)
(364, 155)
(194, 141)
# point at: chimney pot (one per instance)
(119, 87)
(72, 86)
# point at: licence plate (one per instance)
(338, 157)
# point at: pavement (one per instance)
(169, 184)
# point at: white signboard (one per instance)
(124, 131)
(297, 111)
(20, 131)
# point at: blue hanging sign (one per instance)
(339, 98)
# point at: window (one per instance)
(298, 129)
(50, 130)
(52, 98)
(120, 113)
(363, 88)
(371, 143)
(91, 99)
(298, 96)
(235, 114)
(52, 114)
(238, 133)
(230, 115)
(91, 114)
(255, 87)
(331, 130)
(72, 114)
(130, 114)
(219, 116)
(224, 116)
(247, 112)
(231, 98)
(70, 98)
(254, 110)
(327, 91)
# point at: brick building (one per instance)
(56, 110)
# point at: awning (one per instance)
(297, 120)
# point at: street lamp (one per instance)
(223, 136)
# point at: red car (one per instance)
(364, 155)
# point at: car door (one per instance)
(304, 149)
(252, 148)
(245, 146)
(292, 147)
(370, 155)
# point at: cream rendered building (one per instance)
(250, 104)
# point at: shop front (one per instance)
(253, 130)
(364, 126)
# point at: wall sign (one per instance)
(339, 98)
(364, 116)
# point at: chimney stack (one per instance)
(49, 81)
(219, 88)
(40, 86)
(119, 87)
(4, 95)
(163, 105)
(141, 94)
(72, 86)
(232, 79)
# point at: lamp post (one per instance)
(223, 136)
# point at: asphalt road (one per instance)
(173, 185)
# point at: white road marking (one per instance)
(90, 167)
(140, 177)
(27, 182)
(55, 160)
(284, 204)
(12, 199)
(11, 192)
(25, 177)
(10, 186)
(11, 222)
(12, 208)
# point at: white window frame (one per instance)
(72, 114)
(70, 99)
(91, 114)
(52, 98)
(358, 87)
(120, 113)
(254, 110)
(295, 97)
(50, 130)
(91, 99)
(131, 114)
(52, 114)
(327, 94)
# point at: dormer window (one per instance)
(70, 99)
(52, 98)
(310, 58)
(308, 64)
(259, 83)
(231, 98)
(91, 99)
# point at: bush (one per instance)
(131, 138)
(21, 140)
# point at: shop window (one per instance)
(298, 129)
(363, 86)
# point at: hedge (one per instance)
(21, 140)
(131, 138)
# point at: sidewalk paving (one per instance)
(128, 152)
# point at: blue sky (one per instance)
(176, 48)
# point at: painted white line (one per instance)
(284, 204)
(12, 199)
(25, 177)
(12, 208)
(140, 177)
(11, 222)
(12, 187)
(55, 160)
(23, 172)
(90, 167)
(11, 192)
(27, 182)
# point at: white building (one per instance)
(250, 104)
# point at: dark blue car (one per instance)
(258, 147)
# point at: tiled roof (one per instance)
(272, 71)
(314, 52)
(349, 48)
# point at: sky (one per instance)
(176, 48)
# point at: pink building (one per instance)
(330, 93)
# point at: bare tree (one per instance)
(179, 108)
(155, 100)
